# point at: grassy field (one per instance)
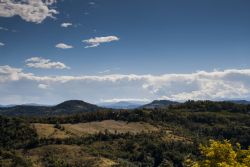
(81, 129)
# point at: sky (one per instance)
(123, 50)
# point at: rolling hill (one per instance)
(65, 108)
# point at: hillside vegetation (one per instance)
(140, 137)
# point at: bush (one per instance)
(221, 154)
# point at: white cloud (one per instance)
(1, 44)
(63, 46)
(201, 85)
(8, 73)
(29, 10)
(65, 25)
(94, 42)
(38, 62)
(43, 86)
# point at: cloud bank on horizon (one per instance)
(201, 85)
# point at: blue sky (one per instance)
(113, 50)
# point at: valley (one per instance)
(159, 136)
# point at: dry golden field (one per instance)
(81, 129)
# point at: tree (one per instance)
(58, 126)
(221, 154)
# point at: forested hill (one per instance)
(65, 108)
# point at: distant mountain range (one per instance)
(9, 105)
(133, 105)
(65, 108)
(77, 106)
(122, 105)
(240, 101)
(28, 104)
(166, 103)
(159, 104)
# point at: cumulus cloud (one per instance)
(38, 62)
(1, 44)
(94, 42)
(201, 85)
(8, 73)
(63, 46)
(29, 10)
(65, 25)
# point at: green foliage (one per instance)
(211, 106)
(221, 154)
(58, 126)
(145, 149)
(16, 133)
